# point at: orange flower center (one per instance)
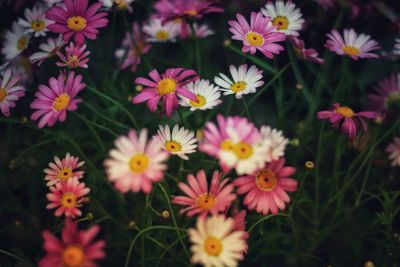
(139, 163)
(266, 179)
(166, 86)
(255, 39)
(65, 173)
(206, 201)
(201, 101)
(73, 62)
(68, 200)
(3, 94)
(213, 246)
(350, 50)
(242, 150)
(281, 22)
(73, 256)
(173, 146)
(77, 23)
(61, 102)
(22, 43)
(191, 12)
(345, 112)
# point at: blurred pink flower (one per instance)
(167, 87)
(76, 19)
(10, 91)
(309, 54)
(326, 3)
(259, 35)
(266, 188)
(239, 217)
(346, 119)
(75, 56)
(203, 200)
(48, 49)
(393, 149)
(76, 248)
(62, 170)
(386, 95)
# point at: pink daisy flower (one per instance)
(386, 95)
(393, 149)
(75, 56)
(64, 169)
(309, 54)
(239, 217)
(67, 198)
(75, 18)
(136, 163)
(201, 199)
(47, 50)
(53, 102)
(10, 91)
(346, 119)
(259, 35)
(266, 188)
(76, 248)
(167, 87)
(353, 45)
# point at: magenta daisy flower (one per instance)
(76, 248)
(75, 18)
(266, 189)
(63, 169)
(346, 119)
(52, 102)
(259, 35)
(10, 91)
(75, 56)
(386, 95)
(309, 54)
(67, 198)
(201, 199)
(393, 149)
(352, 45)
(167, 87)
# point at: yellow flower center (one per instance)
(76, 23)
(213, 246)
(73, 256)
(162, 35)
(281, 22)
(61, 102)
(22, 43)
(242, 150)
(38, 25)
(166, 86)
(73, 62)
(226, 145)
(3, 94)
(266, 179)
(238, 86)
(201, 101)
(191, 12)
(139, 163)
(121, 4)
(65, 173)
(350, 50)
(173, 146)
(68, 200)
(206, 201)
(345, 112)
(255, 39)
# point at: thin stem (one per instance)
(246, 108)
(265, 219)
(12, 255)
(197, 49)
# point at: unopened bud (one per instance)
(309, 165)
(165, 214)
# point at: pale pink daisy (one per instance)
(35, 21)
(396, 48)
(48, 49)
(386, 95)
(52, 102)
(136, 163)
(266, 189)
(309, 54)
(67, 198)
(158, 32)
(75, 56)
(200, 31)
(10, 91)
(239, 217)
(352, 45)
(259, 35)
(64, 169)
(203, 199)
(75, 249)
(277, 142)
(393, 149)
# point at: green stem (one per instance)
(197, 49)
(246, 108)
(265, 219)
(15, 257)
(254, 59)
(101, 115)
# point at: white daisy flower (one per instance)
(15, 42)
(35, 21)
(285, 16)
(120, 4)
(393, 149)
(161, 33)
(277, 142)
(200, 31)
(53, 2)
(48, 49)
(396, 49)
(208, 95)
(178, 142)
(216, 243)
(244, 81)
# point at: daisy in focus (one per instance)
(352, 45)
(385, 97)
(309, 54)
(120, 4)
(35, 21)
(285, 16)
(346, 119)
(54, 101)
(393, 149)
(266, 189)
(76, 248)
(10, 91)
(244, 81)
(258, 35)
(179, 141)
(208, 95)
(201, 199)
(64, 169)
(277, 142)
(166, 87)
(75, 56)
(48, 49)
(136, 162)
(159, 32)
(16, 41)
(67, 198)
(216, 243)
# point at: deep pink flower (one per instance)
(266, 188)
(259, 35)
(386, 95)
(166, 87)
(76, 19)
(309, 54)
(76, 248)
(346, 119)
(53, 102)
(10, 91)
(75, 56)
(64, 169)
